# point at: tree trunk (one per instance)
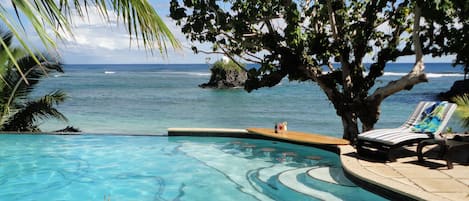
(369, 113)
(349, 122)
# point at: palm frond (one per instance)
(32, 72)
(19, 81)
(139, 17)
(27, 117)
(20, 35)
(463, 109)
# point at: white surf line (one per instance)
(216, 159)
(289, 180)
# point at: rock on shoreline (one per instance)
(459, 88)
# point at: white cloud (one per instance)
(94, 32)
(96, 40)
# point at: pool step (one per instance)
(333, 175)
(267, 174)
(291, 179)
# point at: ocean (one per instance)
(148, 99)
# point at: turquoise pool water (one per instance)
(112, 167)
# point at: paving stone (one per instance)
(460, 172)
(401, 163)
(464, 181)
(384, 171)
(406, 160)
(441, 185)
(431, 180)
(420, 172)
(454, 196)
(406, 181)
(371, 164)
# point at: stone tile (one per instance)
(400, 163)
(464, 181)
(454, 196)
(384, 171)
(429, 181)
(406, 181)
(441, 185)
(420, 172)
(406, 159)
(458, 172)
(365, 163)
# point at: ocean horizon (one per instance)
(149, 98)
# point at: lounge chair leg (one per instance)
(449, 164)
(419, 151)
(420, 148)
(390, 156)
(447, 155)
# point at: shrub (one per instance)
(226, 66)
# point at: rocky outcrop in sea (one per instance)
(225, 79)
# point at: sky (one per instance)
(98, 42)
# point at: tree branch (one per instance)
(415, 76)
(332, 19)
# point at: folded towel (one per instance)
(431, 118)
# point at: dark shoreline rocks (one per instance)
(459, 88)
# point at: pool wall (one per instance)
(238, 133)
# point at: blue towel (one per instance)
(431, 118)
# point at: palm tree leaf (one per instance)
(140, 18)
(463, 109)
(20, 89)
(27, 117)
(14, 30)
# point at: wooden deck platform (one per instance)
(300, 137)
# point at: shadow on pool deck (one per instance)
(431, 180)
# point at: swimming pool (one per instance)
(114, 167)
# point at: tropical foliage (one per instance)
(463, 109)
(327, 42)
(227, 65)
(54, 18)
(17, 111)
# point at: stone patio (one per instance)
(431, 180)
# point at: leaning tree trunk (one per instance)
(366, 109)
(368, 113)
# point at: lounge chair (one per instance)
(385, 141)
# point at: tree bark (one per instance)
(368, 113)
(349, 122)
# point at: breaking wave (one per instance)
(429, 75)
